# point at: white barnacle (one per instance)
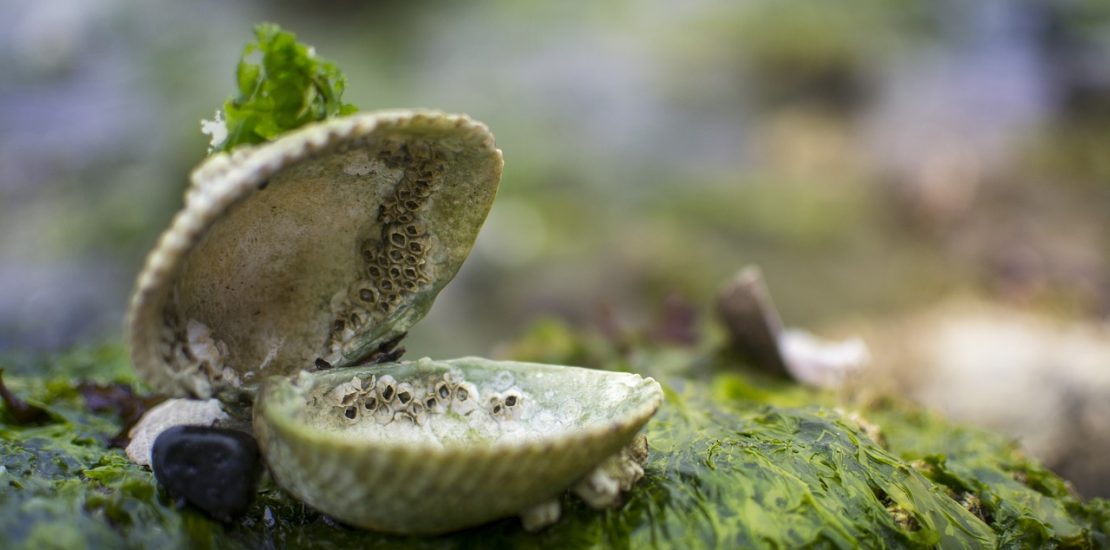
(453, 379)
(503, 380)
(496, 405)
(345, 394)
(432, 403)
(387, 388)
(602, 487)
(466, 398)
(364, 294)
(350, 412)
(370, 402)
(442, 391)
(384, 413)
(405, 394)
(417, 413)
(541, 515)
(368, 385)
(513, 401)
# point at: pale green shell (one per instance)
(527, 434)
(325, 243)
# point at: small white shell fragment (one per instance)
(541, 515)
(170, 413)
(602, 487)
(215, 129)
(822, 363)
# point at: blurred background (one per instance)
(932, 175)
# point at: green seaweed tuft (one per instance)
(282, 85)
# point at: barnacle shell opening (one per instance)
(475, 441)
(325, 243)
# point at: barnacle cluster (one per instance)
(198, 356)
(385, 399)
(394, 259)
(506, 405)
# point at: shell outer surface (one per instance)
(528, 432)
(319, 246)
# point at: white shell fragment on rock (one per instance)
(541, 515)
(602, 487)
(427, 469)
(167, 414)
(754, 326)
(822, 363)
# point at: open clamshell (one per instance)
(325, 244)
(431, 447)
(296, 261)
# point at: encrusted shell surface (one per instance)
(477, 440)
(316, 248)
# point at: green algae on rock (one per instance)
(734, 460)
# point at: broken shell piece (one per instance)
(325, 261)
(755, 329)
(602, 487)
(170, 413)
(540, 515)
(822, 363)
(472, 468)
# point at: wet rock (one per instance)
(213, 469)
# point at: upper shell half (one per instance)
(323, 245)
(434, 446)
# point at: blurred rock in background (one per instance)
(1041, 380)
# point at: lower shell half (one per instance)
(427, 447)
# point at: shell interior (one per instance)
(434, 446)
(315, 249)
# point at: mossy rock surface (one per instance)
(737, 460)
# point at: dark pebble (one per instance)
(213, 469)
